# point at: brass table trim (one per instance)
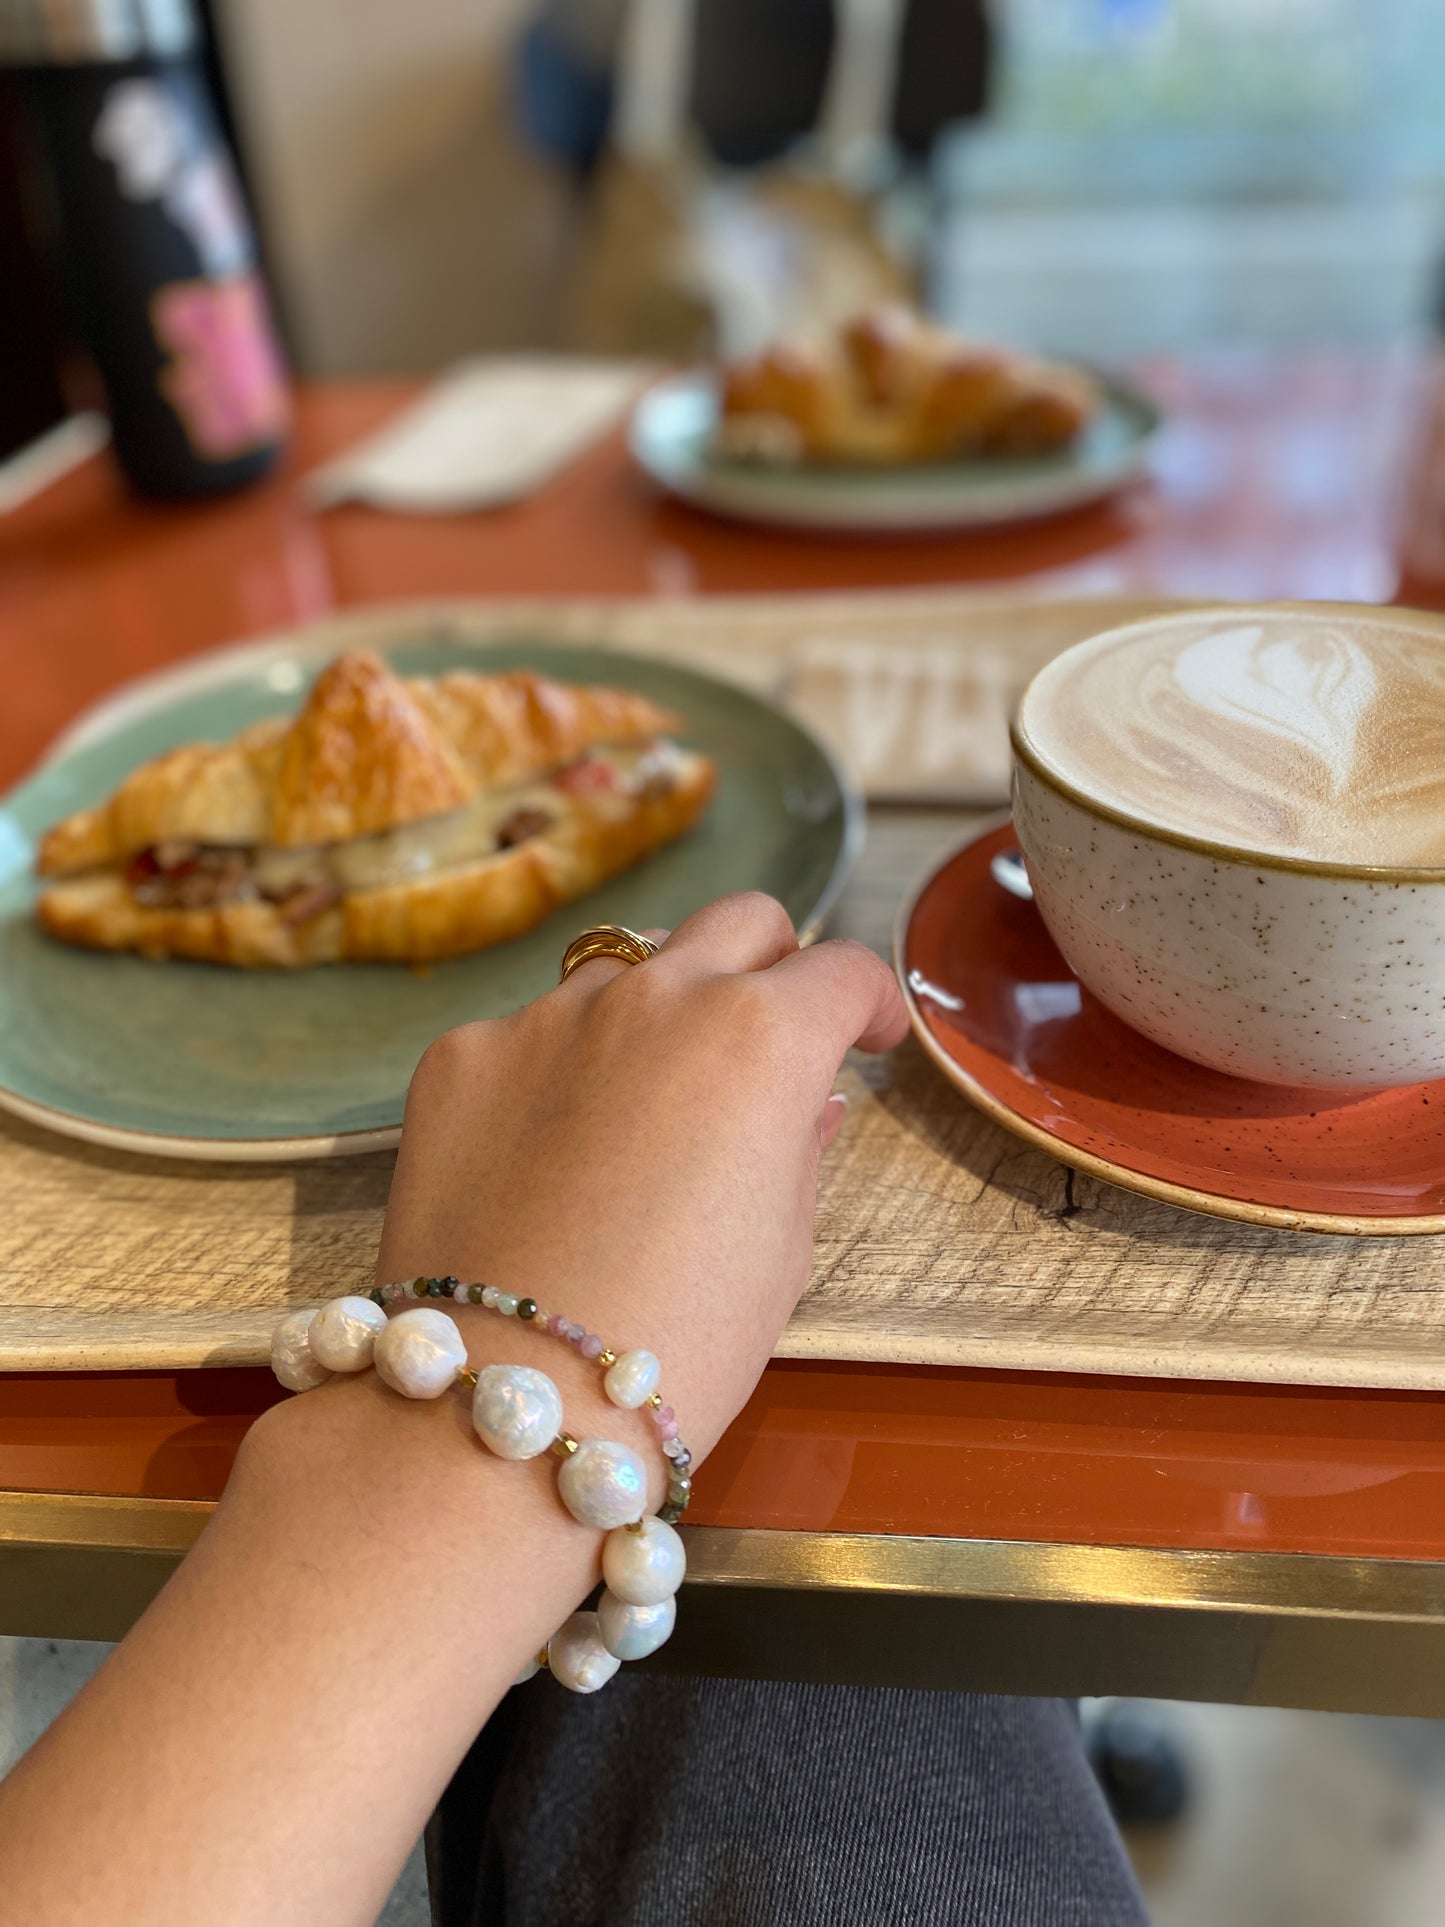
(986, 1615)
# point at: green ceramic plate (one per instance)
(196, 1060)
(672, 433)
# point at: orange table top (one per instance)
(1322, 476)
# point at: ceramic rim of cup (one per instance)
(1033, 759)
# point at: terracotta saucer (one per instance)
(1003, 1017)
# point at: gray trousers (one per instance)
(665, 1802)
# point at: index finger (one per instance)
(846, 989)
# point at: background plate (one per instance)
(195, 1060)
(672, 430)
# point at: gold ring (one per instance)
(606, 940)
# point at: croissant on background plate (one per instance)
(893, 388)
(397, 820)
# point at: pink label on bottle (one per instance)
(225, 379)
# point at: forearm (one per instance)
(270, 1740)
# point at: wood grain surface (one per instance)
(941, 1239)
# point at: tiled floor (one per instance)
(1296, 1819)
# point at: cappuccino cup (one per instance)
(1234, 825)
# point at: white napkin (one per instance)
(489, 432)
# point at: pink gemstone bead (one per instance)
(664, 1415)
(557, 1325)
(576, 1333)
(591, 1346)
(668, 1428)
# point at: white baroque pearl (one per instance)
(517, 1410)
(419, 1353)
(632, 1632)
(632, 1380)
(603, 1484)
(291, 1358)
(644, 1568)
(343, 1332)
(577, 1657)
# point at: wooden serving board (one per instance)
(941, 1239)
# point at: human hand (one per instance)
(638, 1149)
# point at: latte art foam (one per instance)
(1319, 736)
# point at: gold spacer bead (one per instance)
(564, 1445)
(607, 1359)
(467, 1377)
(655, 1402)
(542, 1659)
(635, 1526)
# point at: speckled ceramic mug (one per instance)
(1171, 822)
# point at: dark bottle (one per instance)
(158, 252)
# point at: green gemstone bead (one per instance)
(670, 1513)
(474, 1293)
(433, 1287)
(526, 1308)
(679, 1489)
(418, 1287)
(377, 1295)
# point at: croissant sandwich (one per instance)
(893, 388)
(391, 820)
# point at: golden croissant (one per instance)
(892, 388)
(397, 820)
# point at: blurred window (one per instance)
(1202, 170)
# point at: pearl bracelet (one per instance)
(517, 1413)
(629, 1379)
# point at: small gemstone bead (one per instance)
(507, 1303)
(377, 1295)
(670, 1513)
(490, 1295)
(674, 1448)
(679, 1486)
(591, 1346)
(449, 1285)
(527, 1308)
(668, 1429)
(542, 1319)
(418, 1287)
(433, 1287)
(557, 1325)
(474, 1294)
(663, 1414)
